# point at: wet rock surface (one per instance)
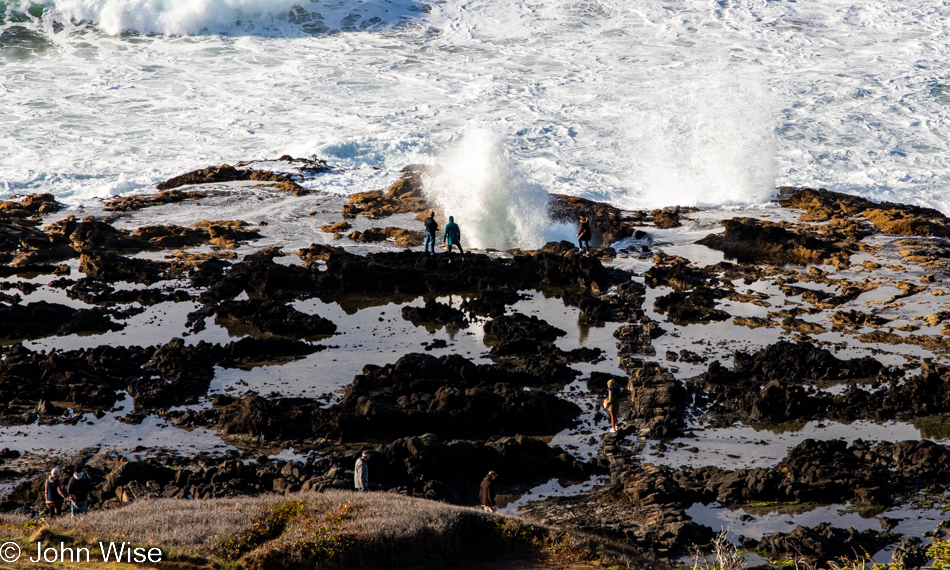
(841, 296)
(436, 313)
(404, 196)
(264, 317)
(228, 173)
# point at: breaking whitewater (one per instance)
(642, 105)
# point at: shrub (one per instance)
(267, 526)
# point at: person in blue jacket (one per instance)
(452, 236)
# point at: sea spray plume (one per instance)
(706, 141)
(495, 207)
(170, 17)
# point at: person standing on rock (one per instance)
(432, 229)
(452, 236)
(78, 490)
(583, 235)
(361, 472)
(54, 494)
(613, 403)
(486, 492)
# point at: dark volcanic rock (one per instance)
(695, 306)
(91, 379)
(642, 505)
(450, 396)
(770, 386)
(418, 394)
(30, 206)
(228, 173)
(401, 237)
(667, 218)
(406, 273)
(826, 472)
(822, 205)
(608, 223)
(658, 400)
(822, 543)
(491, 301)
(623, 303)
(130, 203)
(266, 317)
(94, 292)
(789, 361)
(436, 313)
(40, 318)
(249, 351)
(278, 419)
(511, 334)
(91, 237)
(183, 372)
(425, 466)
(110, 267)
(748, 239)
(637, 338)
(678, 273)
(404, 196)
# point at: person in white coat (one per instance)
(361, 472)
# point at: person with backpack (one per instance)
(54, 495)
(432, 229)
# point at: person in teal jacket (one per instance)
(452, 236)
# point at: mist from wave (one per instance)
(708, 141)
(476, 182)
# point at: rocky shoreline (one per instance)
(825, 308)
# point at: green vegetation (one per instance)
(267, 526)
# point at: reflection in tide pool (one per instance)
(551, 489)
(784, 518)
(746, 447)
(111, 433)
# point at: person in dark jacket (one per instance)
(486, 492)
(612, 403)
(54, 494)
(452, 236)
(78, 489)
(432, 229)
(583, 235)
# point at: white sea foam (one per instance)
(170, 16)
(644, 104)
(708, 141)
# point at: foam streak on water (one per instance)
(645, 103)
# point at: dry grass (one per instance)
(334, 528)
(198, 524)
(172, 522)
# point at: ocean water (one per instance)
(644, 104)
